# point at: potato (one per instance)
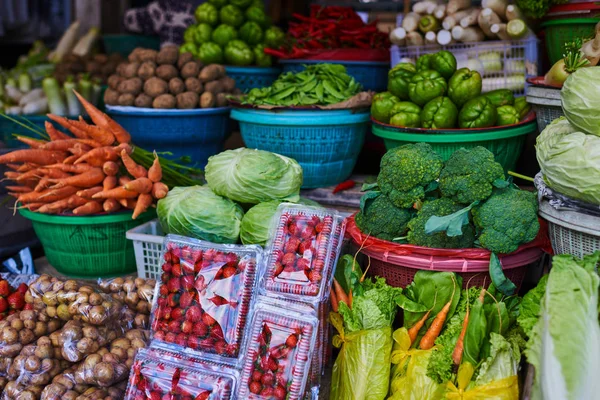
(18, 324)
(9, 335)
(126, 99)
(97, 314)
(63, 312)
(111, 97)
(211, 72)
(49, 299)
(32, 364)
(26, 336)
(129, 70)
(186, 100)
(71, 285)
(176, 86)
(28, 315)
(183, 59)
(222, 100)
(168, 55)
(29, 324)
(143, 100)
(190, 69)
(193, 85)
(154, 87)
(147, 70)
(167, 72)
(113, 82)
(141, 321)
(131, 86)
(134, 56)
(228, 84)
(44, 351)
(215, 87)
(95, 299)
(147, 55)
(165, 101)
(207, 100)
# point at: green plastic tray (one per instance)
(92, 246)
(561, 31)
(505, 142)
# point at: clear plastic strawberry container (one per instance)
(278, 358)
(152, 378)
(303, 250)
(204, 297)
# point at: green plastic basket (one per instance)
(505, 142)
(92, 246)
(561, 31)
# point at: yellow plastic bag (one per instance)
(362, 369)
(503, 389)
(409, 373)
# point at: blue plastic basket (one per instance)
(197, 134)
(9, 128)
(325, 143)
(247, 78)
(372, 75)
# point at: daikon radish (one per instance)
(31, 96)
(497, 6)
(500, 31)
(591, 50)
(440, 11)
(39, 106)
(424, 7)
(414, 39)
(470, 19)
(444, 37)
(456, 5)
(517, 29)
(410, 23)
(513, 12)
(430, 38)
(469, 34)
(398, 36)
(487, 17)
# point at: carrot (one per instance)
(33, 143)
(104, 121)
(66, 144)
(43, 184)
(128, 203)
(155, 171)
(339, 293)
(102, 136)
(111, 205)
(54, 133)
(33, 174)
(140, 185)
(350, 298)
(18, 189)
(87, 179)
(99, 156)
(59, 205)
(142, 205)
(428, 340)
(15, 167)
(110, 168)
(92, 207)
(33, 206)
(88, 193)
(27, 167)
(14, 176)
(413, 331)
(123, 180)
(73, 169)
(76, 201)
(334, 302)
(124, 146)
(159, 190)
(460, 343)
(47, 196)
(137, 171)
(116, 193)
(78, 151)
(70, 160)
(53, 173)
(65, 123)
(110, 182)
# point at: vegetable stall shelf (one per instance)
(506, 142)
(326, 143)
(90, 246)
(247, 78)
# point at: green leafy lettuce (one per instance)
(503, 361)
(531, 306)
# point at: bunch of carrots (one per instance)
(87, 173)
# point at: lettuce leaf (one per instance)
(531, 306)
(503, 360)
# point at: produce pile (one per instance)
(233, 32)
(168, 79)
(457, 21)
(98, 66)
(435, 95)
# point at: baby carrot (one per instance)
(159, 190)
(135, 170)
(92, 207)
(110, 182)
(460, 343)
(428, 340)
(104, 121)
(54, 133)
(142, 205)
(87, 179)
(155, 171)
(340, 294)
(413, 331)
(116, 193)
(140, 185)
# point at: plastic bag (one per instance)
(77, 339)
(562, 202)
(503, 389)
(136, 293)
(37, 364)
(15, 390)
(362, 368)
(116, 392)
(21, 329)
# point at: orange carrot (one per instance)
(33, 143)
(92, 207)
(18, 189)
(334, 302)
(142, 205)
(140, 185)
(111, 205)
(159, 190)
(428, 340)
(137, 171)
(65, 123)
(110, 182)
(27, 167)
(460, 343)
(53, 173)
(127, 203)
(33, 206)
(47, 196)
(413, 331)
(66, 144)
(59, 205)
(87, 179)
(102, 136)
(104, 121)
(76, 201)
(33, 174)
(42, 185)
(155, 171)
(78, 150)
(116, 193)
(37, 156)
(88, 193)
(14, 167)
(350, 298)
(124, 146)
(15, 176)
(99, 155)
(73, 169)
(110, 168)
(70, 160)
(339, 293)
(54, 133)
(123, 180)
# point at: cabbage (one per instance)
(197, 212)
(570, 161)
(253, 176)
(580, 97)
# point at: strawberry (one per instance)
(163, 291)
(278, 269)
(167, 267)
(193, 314)
(203, 396)
(168, 256)
(209, 254)
(308, 232)
(228, 272)
(255, 387)
(161, 301)
(207, 343)
(291, 245)
(200, 330)
(188, 268)
(208, 320)
(181, 339)
(176, 270)
(200, 285)
(220, 347)
(4, 288)
(232, 349)
(268, 379)
(177, 314)
(304, 246)
(272, 364)
(280, 393)
(289, 260)
(220, 257)
(170, 337)
(257, 376)
(187, 282)
(16, 301)
(319, 227)
(166, 313)
(164, 278)
(186, 327)
(174, 285)
(28, 307)
(231, 259)
(159, 335)
(267, 392)
(3, 305)
(155, 396)
(303, 264)
(291, 341)
(278, 255)
(174, 326)
(216, 331)
(173, 299)
(23, 288)
(186, 300)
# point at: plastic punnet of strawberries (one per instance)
(204, 297)
(12, 300)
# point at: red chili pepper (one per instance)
(349, 184)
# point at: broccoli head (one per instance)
(439, 240)
(380, 218)
(406, 171)
(469, 175)
(507, 220)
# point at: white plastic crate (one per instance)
(148, 247)
(546, 103)
(505, 64)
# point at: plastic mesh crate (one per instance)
(506, 64)
(546, 104)
(247, 78)
(148, 247)
(564, 30)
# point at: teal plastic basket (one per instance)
(9, 128)
(124, 44)
(325, 143)
(247, 78)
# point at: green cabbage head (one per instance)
(570, 161)
(581, 100)
(253, 176)
(196, 212)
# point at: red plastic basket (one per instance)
(398, 263)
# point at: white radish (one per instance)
(32, 95)
(424, 7)
(398, 36)
(487, 17)
(430, 38)
(39, 106)
(444, 37)
(500, 31)
(13, 93)
(470, 19)
(591, 50)
(414, 39)
(513, 12)
(440, 11)
(457, 5)
(517, 29)
(410, 23)
(498, 6)
(468, 34)
(14, 110)
(452, 20)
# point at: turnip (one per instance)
(560, 71)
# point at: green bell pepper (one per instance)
(406, 114)
(203, 34)
(381, 106)
(224, 34)
(522, 106)
(207, 13)
(274, 37)
(429, 23)
(210, 53)
(218, 3)
(398, 79)
(257, 15)
(423, 62)
(189, 47)
(464, 86)
(232, 15)
(241, 3)
(444, 62)
(258, 3)
(251, 33)
(262, 59)
(425, 86)
(477, 113)
(188, 34)
(501, 97)
(237, 52)
(439, 113)
(507, 115)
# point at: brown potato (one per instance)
(168, 55)
(134, 56)
(183, 59)
(176, 86)
(211, 72)
(193, 85)
(111, 97)
(207, 100)
(190, 69)
(147, 55)
(143, 100)
(26, 336)
(186, 100)
(222, 100)
(129, 70)
(113, 82)
(228, 84)
(131, 86)
(71, 285)
(167, 72)
(165, 101)
(18, 324)
(126, 99)
(95, 299)
(147, 70)
(215, 87)
(9, 335)
(154, 87)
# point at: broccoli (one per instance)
(440, 207)
(380, 218)
(507, 220)
(406, 171)
(469, 175)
